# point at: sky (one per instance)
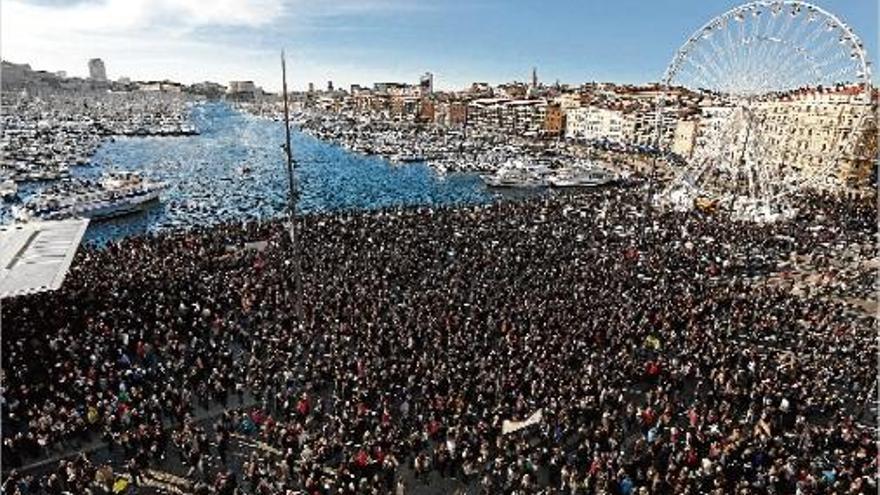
(364, 41)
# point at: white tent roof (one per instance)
(35, 256)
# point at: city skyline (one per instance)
(350, 42)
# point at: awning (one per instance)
(35, 256)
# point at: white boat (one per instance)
(117, 194)
(518, 174)
(580, 176)
(410, 158)
(8, 190)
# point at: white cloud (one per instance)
(147, 39)
(179, 40)
(123, 15)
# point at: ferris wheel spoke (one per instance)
(733, 52)
(828, 46)
(780, 34)
(782, 46)
(811, 65)
(840, 71)
(761, 35)
(706, 62)
(697, 80)
(801, 28)
(788, 72)
(777, 34)
(750, 44)
(815, 34)
(725, 66)
(706, 75)
(741, 42)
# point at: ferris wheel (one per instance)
(761, 102)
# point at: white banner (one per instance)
(512, 426)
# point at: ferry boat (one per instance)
(115, 195)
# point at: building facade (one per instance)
(595, 123)
(817, 130)
(554, 120)
(426, 83)
(97, 71)
(829, 133)
(242, 91)
(685, 137)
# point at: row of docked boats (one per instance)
(518, 174)
(161, 129)
(502, 160)
(443, 149)
(115, 194)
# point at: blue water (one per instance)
(207, 185)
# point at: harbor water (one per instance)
(235, 170)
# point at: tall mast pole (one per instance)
(292, 196)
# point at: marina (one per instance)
(443, 149)
(230, 171)
(44, 135)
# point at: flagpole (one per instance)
(292, 197)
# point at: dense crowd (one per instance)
(657, 362)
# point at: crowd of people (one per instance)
(639, 343)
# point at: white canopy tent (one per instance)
(35, 256)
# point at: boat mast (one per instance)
(291, 200)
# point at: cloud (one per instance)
(194, 40)
(58, 3)
(223, 12)
(96, 17)
(359, 7)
